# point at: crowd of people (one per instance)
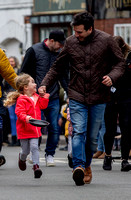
(94, 69)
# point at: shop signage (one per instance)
(58, 6)
(46, 19)
(119, 4)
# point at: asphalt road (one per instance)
(56, 182)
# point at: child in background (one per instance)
(70, 129)
(11, 110)
(28, 106)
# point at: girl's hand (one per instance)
(46, 96)
(42, 90)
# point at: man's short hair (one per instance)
(83, 18)
(57, 35)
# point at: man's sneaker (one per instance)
(49, 161)
(107, 164)
(125, 166)
(78, 176)
(2, 160)
(22, 164)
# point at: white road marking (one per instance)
(57, 160)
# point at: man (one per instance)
(37, 62)
(95, 64)
(7, 72)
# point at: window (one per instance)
(44, 32)
(124, 30)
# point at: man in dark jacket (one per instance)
(96, 63)
(37, 62)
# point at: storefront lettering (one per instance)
(61, 3)
(120, 4)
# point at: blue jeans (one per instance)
(101, 146)
(86, 121)
(13, 119)
(52, 113)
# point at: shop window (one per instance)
(124, 30)
(44, 32)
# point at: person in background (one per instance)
(28, 106)
(121, 105)
(95, 63)
(5, 117)
(62, 120)
(100, 154)
(70, 130)
(8, 73)
(7, 88)
(37, 62)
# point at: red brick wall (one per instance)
(107, 25)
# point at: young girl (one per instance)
(28, 106)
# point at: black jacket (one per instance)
(37, 62)
(125, 83)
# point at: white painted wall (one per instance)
(13, 30)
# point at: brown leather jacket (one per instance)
(89, 61)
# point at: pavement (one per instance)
(56, 182)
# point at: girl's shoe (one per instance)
(37, 171)
(22, 164)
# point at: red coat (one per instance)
(26, 108)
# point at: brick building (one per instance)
(111, 16)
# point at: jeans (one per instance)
(101, 146)
(86, 122)
(13, 119)
(52, 113)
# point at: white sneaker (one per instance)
(49, 161)
(29, 158)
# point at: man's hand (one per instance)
(42, 90)
(107, 81)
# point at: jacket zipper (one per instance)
(35, 118)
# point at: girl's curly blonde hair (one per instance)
(20, 81)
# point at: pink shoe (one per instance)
(22, 164)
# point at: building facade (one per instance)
(15, 35)
(111, 16)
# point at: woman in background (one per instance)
(7, 88)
